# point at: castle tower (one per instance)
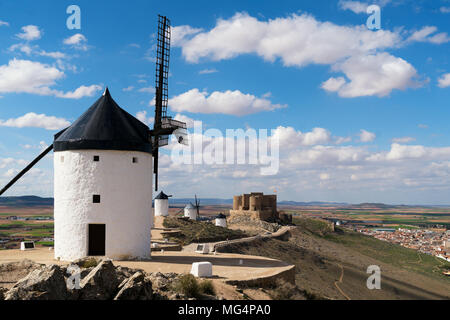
(103, 185)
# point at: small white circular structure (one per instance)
(162, 205)
(190, 212)
(221, 220)
(103, 185)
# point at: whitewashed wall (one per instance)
(161, 207)
(125, 208)
(191, 213)
(221, 223)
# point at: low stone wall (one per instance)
(282, 234)
(287, 275)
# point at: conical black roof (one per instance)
(221, 216)
(105, 126)
(162, 195)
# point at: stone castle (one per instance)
(256, 205)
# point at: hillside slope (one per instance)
(332, 265)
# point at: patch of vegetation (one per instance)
(196, 231)
(16, 224)
(188, 285)
(390, 253)
(284, 290)
(207, 287)
(89, 262)
(402, 226)
(46, 243)
(314, 226)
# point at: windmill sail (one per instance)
(164, 125)
(26, 169)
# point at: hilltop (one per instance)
(332, 265)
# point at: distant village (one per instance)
(434, 242)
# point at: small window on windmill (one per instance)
(96, 158)
(62, 158)
(96, 198)
(135, 160)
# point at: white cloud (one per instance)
(77, 41)
(426, 35)
(444, 81)
(127, 89)
(366, 136)
(82, 91)
(149, 89)
(24, 48)
(4, 23)
(28, 50)
(400, 152)
(180, 33)
(55, 54)
(34, 120)
(445, 9)
(371, 75)
(25, 76)
(403, 139)
(142, 116)
(333, 84)
(355, 6)
(29, 33)
(189, 121)
(358, 6)
(288, 136)
(227, 102)
(208, 71)
(296, 40)
(300, 40)
(28, 76)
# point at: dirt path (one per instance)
(341, 279)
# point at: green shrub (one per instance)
(207, 287)
(284, 290)
(88, 263)
(188, 285)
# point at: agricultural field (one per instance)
(26, 223)
(379, 215)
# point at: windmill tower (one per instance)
(162, 204)
(221, 220)
(103, 166)
(192, 211)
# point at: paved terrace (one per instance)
(229, 267)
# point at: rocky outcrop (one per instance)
(2, 293)
(101, 282)
(138, 287)
(44, 283)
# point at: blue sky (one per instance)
(362, 115)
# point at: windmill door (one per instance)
(96, 239)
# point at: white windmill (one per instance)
(103, 166)
(162, 204)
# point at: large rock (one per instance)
(137, 287)
(101, 283)
(2, 293)
(44, 283)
